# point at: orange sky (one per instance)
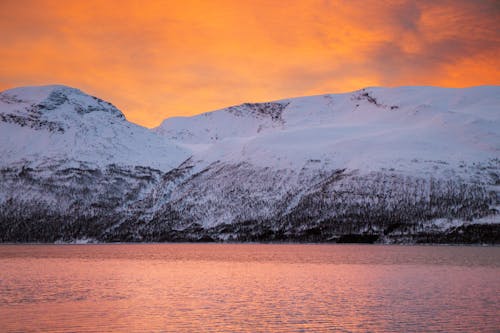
(156, 59)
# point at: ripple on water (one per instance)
(249, 288)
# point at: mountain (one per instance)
(47, 123)
(365, 130)
(71, 163)
(408, 164)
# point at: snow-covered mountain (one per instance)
(366, 130)
(70, 163)
(380, 164)
(47, 123)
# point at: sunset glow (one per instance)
(158, 59)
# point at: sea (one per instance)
(249, 288)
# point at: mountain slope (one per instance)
(356, 130)
(408, 164)
(71, 164)
(415, 158)
(58, 122)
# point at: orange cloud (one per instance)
(156, 59)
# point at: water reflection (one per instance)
(249, 288)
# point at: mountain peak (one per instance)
(59, 124)
(43, 99)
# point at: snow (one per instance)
(386, 159)
(63, 123)
(411, 129)
(367, 130)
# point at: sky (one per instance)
(159, 59)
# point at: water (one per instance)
(248, 288)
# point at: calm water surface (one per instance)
(248, 288)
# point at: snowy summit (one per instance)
(47, 123)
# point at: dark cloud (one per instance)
(407, 16)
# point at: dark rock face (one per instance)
(365, 95)
(32, 120)
(272, 110)
(54, 100)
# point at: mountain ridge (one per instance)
(64, 123)
(405, 164)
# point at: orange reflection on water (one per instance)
(248, 288)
